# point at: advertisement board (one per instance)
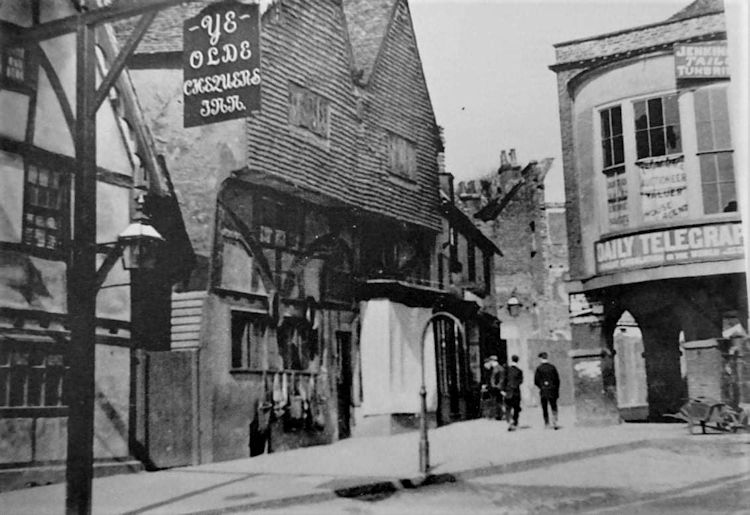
(221, 63)
(711, 242)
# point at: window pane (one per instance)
(53, 386)
(238, 339)
(719, 107)
(656, 137)
(641, 122)
(710, 199)
(674, 145)
(619, 153)
(18, 386)
(606, 154)
(708, 169)
(605, 123)
(722, 135)
(34, 393)
(705, 137)
(728, 197)
(671, 110)
(641, 143)
(4, 378)
(616, 120)
(702, 108)
(725, 165)
(655, 118)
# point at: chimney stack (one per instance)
(513, 161)
(504, 163)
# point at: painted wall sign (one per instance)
(712, 242)
(221, 63)
(663, 190)
(701, 60)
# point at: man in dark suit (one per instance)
(512, 391)
(547, 380)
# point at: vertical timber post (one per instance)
(80, 389)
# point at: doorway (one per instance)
(344, 382)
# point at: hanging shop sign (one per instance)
(221, 63)
(713, 242)
(701, 61)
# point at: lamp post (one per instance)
(424, 445)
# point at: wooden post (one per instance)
(80, 387)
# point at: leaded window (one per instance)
(45, 207)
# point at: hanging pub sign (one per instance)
(701, 61)
(221, 63)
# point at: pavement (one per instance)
(647, 458)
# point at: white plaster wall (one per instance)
(14, 113)
(11, 201)
(647, 76)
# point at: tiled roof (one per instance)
(367, 22)
(165, 32)
(698, 8)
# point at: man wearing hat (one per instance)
(495, 379)
(547, 380)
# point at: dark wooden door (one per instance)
(170, 408)
(344, 382)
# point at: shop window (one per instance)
(657, 127)
(45, 207)
(248, 340)
(402, 157)
(298, 345)
(308, 110)
(31, 376)
(715, 150)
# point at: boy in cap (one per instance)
(547, 380)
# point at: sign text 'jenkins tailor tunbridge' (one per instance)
(221, 63)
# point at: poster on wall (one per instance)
(221, 63)
(663, 190)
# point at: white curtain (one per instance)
(390, 353)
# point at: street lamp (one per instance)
(424, 445)
(513, 305)
(140, 241)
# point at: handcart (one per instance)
(712, 414)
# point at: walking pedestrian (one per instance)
(512, 391)
(547, 380)
(494, 382)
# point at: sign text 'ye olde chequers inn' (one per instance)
(221, 63)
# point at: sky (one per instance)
(486, 65)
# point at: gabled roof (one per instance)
(698, 8)
(367, 22)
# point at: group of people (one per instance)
(505, 386)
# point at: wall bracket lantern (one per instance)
(514, 305)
